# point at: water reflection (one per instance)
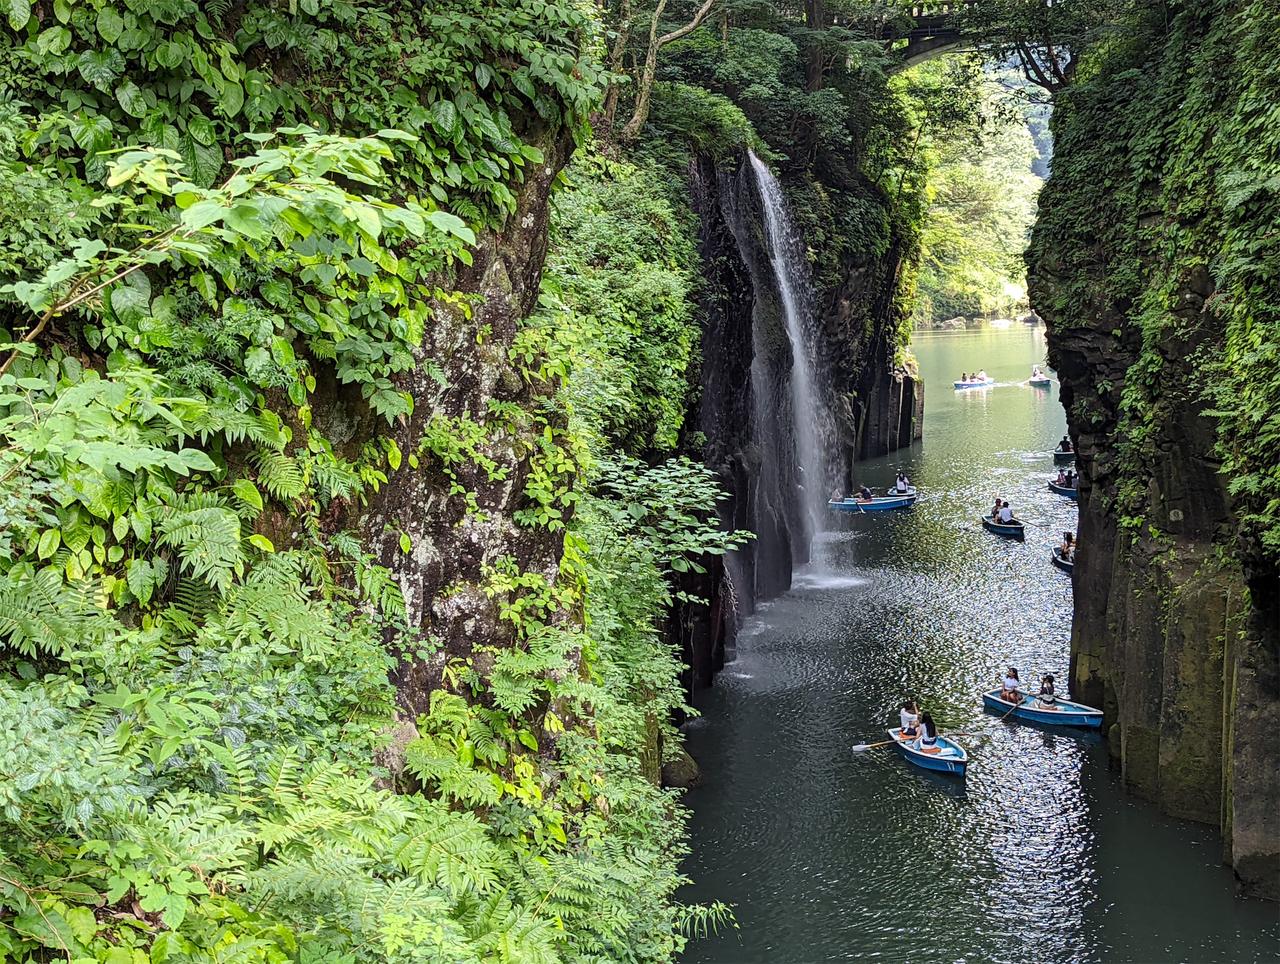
(829, 855)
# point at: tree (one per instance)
(1046, 38)
(644, 86)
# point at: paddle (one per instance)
(864, 747)
(1022, 697)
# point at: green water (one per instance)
(1038, 854)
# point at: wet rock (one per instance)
(681, 771)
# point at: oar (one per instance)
(1021, 697)
(864, 747)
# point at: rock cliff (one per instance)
(1175, 633)
(870, 405)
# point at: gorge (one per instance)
(409, 409)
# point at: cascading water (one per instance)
(786, 255)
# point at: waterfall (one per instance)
(786, 255)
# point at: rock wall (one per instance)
(1175, 634)
(452, 546)
(874, 407)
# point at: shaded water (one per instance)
(1038, 854)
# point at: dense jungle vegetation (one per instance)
(230, 234)
(1177, 257)
(981, 196)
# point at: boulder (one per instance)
(681, 771)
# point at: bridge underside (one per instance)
(918, 50)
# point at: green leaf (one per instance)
(262, 542)
(100, 67)
(204, 284)
(53, 41)
(451, 224)
(131, 98)
(50, 539)
(197, 461)
(445, 117)
(247, 493)
(110, 24)
(202, 214)
(230, 98)
(19, 12)
(406, 544)
(169, 55)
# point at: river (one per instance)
(1039, 853)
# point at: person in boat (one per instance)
(927, 741)
(864, 494)
(1071, 478)
(1065, 444)
(1006, 514)
(1035, 371)
(964, 376)
(1011, 689)
(1061, 479)
(1046, 696)
(1068, 548)
(909, 717)
(902, 484)
(837, 495)
(982, 375)
(995, 510)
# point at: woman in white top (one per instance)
(928, 734)
(909, 717)
(1010, 691)
(902, 483)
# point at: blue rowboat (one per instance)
(1066, 565)
(983, 384)
(1066, 713)
(1063, 458)
(1015, 530)
(1069, 491)
(949, 758)
(1040, 382)
(878, 504)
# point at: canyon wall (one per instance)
(1140, 267)
(868, 405)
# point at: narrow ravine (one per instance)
(830, 856)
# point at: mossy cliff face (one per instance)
(1138, 267)
(455, 545)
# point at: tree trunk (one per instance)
(815, 20)
(644, 86)
(610, 107)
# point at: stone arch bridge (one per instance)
(933, 31)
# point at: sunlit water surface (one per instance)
(1038, 854)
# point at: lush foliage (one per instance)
(619, 298)
(817, 96)
(195, 655)
(1190, 213)
(982, 194)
